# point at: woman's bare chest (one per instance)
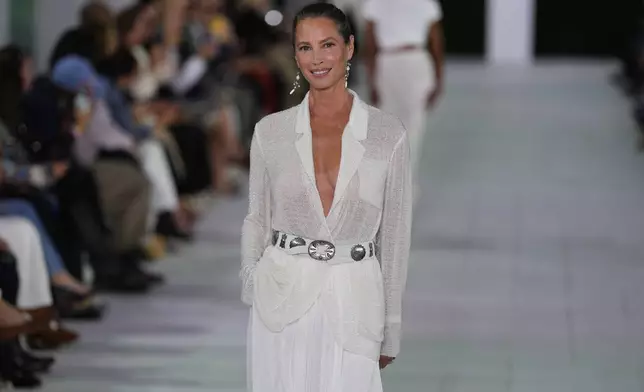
(326, 144)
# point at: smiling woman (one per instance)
(335, 42)
(326, 239)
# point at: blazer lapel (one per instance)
(352, 152)
(303, 144)
(352, 148)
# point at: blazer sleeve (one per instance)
(256, 229)
(394, 239)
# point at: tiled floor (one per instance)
(527, 269)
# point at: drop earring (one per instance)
(346, 75)
(296, 83)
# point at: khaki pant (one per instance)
(124, 192)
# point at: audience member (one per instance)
(138, 117)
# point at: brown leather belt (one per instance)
(404, 48)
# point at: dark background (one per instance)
(564, 28)
(464, 25)
(584, 27)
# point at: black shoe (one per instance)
(64, 295)
(126, 283)
(34, 363)
(72, 305)
(151, 278)
(13, 369)
(167, 227)
(22, 379)
(154, 278)
(87, 311)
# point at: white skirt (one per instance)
(305, 357)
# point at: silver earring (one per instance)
(346, 75)
(296, 83)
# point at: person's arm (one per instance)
(393, 242)
(256, 231)
(38, 175)
(371, 52)
(123, 115)
(435, 45)
(192, 71)
(174, 18)
(15, 167)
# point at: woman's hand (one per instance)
(208, 50)
(375, 97)
(59, 169)
(385, 361)
(4, 247)
(434, 96)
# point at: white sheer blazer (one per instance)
(372, 202)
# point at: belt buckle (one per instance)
(321, 250)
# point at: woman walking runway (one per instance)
(405, 80)
(326, 239)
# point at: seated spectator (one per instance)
(94, 38)
(34, 291)
(118, 73)
(72, 298)
(17, 365)
(41, 123)
(159, 66)
(111, 154)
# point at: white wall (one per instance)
(510, 31)
(4, 22)
(52, 18)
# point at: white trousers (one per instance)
(24, 242)
(315, 327)
(157, 168)
(404, 81)
(306, 357)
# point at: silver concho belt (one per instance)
(322, 250)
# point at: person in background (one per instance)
(117, 73)
(111, 154)
(34, 294)
(325, 243)
(404, 59)
(26, 189)
(159, 66)
(17, 365)
(95, 37)
(353, 10)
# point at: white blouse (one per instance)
(372, 201)
(402, 22)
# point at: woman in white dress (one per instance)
(326, 239)
(404, 59)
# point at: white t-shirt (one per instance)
(402, 22)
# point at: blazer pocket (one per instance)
(373, 176)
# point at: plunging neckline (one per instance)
(326, 214)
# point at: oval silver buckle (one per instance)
(321, 250)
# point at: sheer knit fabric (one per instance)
(372, 202)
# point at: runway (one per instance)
(527, 270)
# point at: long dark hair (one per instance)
(11, 85)
(325, 10)
(127, 19)
(121, 63)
